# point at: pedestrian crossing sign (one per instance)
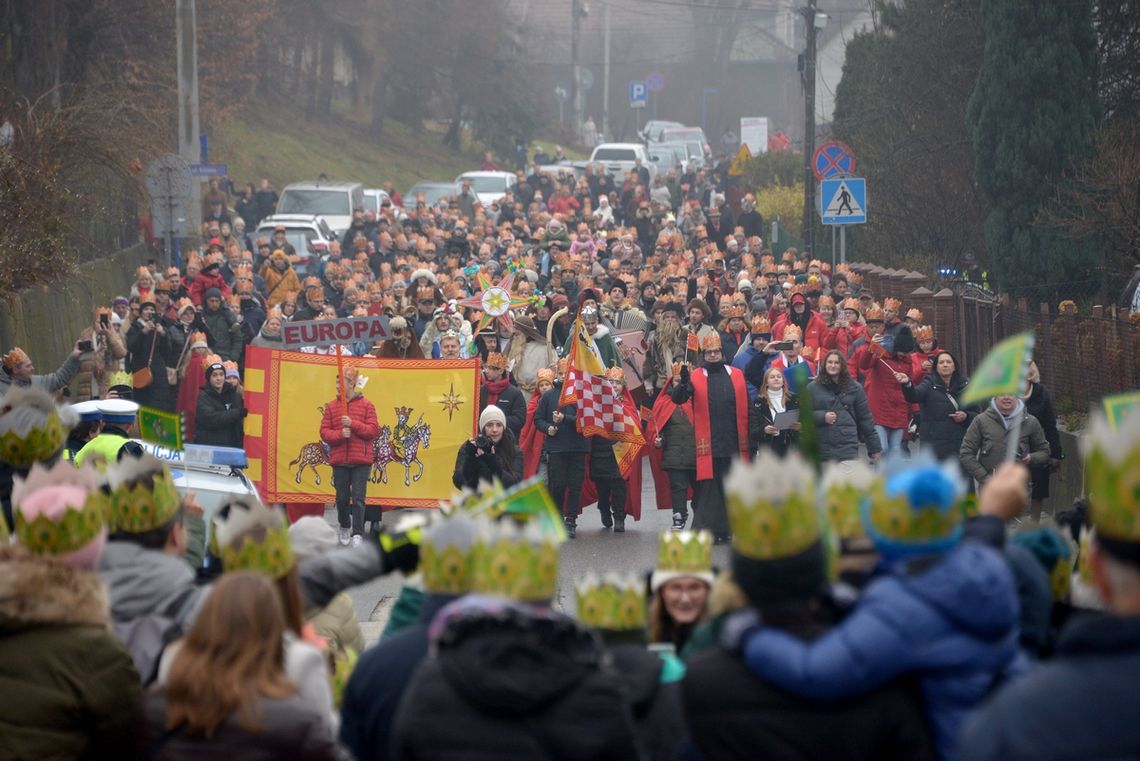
(843, 201)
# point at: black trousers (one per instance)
(709, 507)
(351, 484)
(680, 481)
(611, 497)
(565, 473)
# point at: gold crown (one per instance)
(614, 602)
(772, 506)
(447, 551)
(248, 536)
(1112, 477)
(923, 333)
(915, 314)
(143, 495)
(14, 358)
(615, 375)
(711, 341)
(32, 427)
(121, 378)
(793, 333)
(516, 563)
(528, 502)
(915, 504)
(685, 552)
(843, 486)
(892, 303)
(78, 526)
(497, 360)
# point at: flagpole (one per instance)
(1014, 434)
(341, 381)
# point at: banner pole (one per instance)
(341, 381)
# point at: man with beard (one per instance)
(720, 421)
(666, 346)
(813, 328)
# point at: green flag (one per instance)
(1118, 407)
(162, 428)
(1003, 370)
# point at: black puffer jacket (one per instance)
(513, 685)
(218, 418)
(937, 401)
(470, 470)
(656, 707)
(840, 441)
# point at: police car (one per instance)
(212, 473)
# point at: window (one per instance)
(314, 202)
(614, 154)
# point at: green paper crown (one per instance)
(20, 445)
(120, 378)
(685, 552)
(528, 502)
(615, 603)
(77, 527)
(895, 519)
(447, 552)
(772, 506)
(519, 564)
(248, 536)
(1112, 477)
(843, 486)
(143, 495)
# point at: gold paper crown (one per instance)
(760, 324)
(711, 341)
(119, 378)
(892, 517)
(793, 332)
(497, 360)
(447, 552)
(923, 333)
(685, 552)
(32, 427)
(874, 313)
(843, 486)
(143, 496)
(853, 304)
(772, 506)
(614, 602)
(516, 563)
(915, 314)
(78, 526)
(1112, 477)
(14, 358)
(544, 374)
(615, 375)
(248, 536)
(892, 303)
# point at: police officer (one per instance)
(90, 424)
(119, 424)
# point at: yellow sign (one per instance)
(425, 410)
(742, 157)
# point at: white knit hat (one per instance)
(492, 413)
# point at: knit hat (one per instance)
(212, 293)
(618, 283)
(1054, 555)
(312, 536)
(491, 413)
(248, 536)
(210, 368)
(674, 307)
(61, 511)
(916, 508)
(32, 427)
(683, 554)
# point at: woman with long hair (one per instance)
(227, 694)
(490, 455)
(842, 415)
(680, 591)
(772, 399)
(944, 418)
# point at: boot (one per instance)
(571, 528)
(619, 525)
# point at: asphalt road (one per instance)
(595, 549)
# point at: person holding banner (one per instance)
(348, 429)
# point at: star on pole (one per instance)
(495, 300)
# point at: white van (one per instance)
(332, 200)
(619, 158)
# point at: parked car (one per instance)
(334, 201)
(488, 186)
(653, 128)
(668, 156)
(374, 198)
(619, 158)
(432, 193)
(693, 138)
(301, 230)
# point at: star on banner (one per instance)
(451, 402)
(495, 300)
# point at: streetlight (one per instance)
(814, 21)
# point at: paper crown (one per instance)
(772, 506)
(497, 360)
(914, 314)
(874, 313)
(32, 427)
(760, 324)
(916, 507)
(248, 536)
(143, 497)
(14, 358)
(615, 375)
(120, 378)
(82, 521)
(892, 303)
(923, 333)
(1112, 477)
(515, 563)
(614, 602)
(793, 333)
(853, 304)
(711, 341)
(447, 552)
(826, 301)
(544, 374)
(528, 501)
(684, 553)
(843, 487)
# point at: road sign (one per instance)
(168, 182)
(832, 158)
(655, 82)
(209, 170)
(638, 94)
(843, 201)
(743, 155)
(560, 93)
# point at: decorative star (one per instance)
(451, 402)
(495, 300)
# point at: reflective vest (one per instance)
(104, 447)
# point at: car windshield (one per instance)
(314, 201)
(614, 154)
(432, 193)
(681, 135)
(371, 203)
(486, 184)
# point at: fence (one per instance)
(1082, 357)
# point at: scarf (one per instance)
(494, 388)
(1008, 421)
(776, 400)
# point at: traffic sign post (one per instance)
(168, 182)
(209, 170)
(655, 81)
(843, 202)
(638, 95)
(832, 158)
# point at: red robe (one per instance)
(188, 390)
(700, 380)
(530, 440)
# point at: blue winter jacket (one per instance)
(953, 625)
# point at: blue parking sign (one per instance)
(638, 94)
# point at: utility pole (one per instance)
(808, 70)
(606, 79)
(186, 31)
(576, 77)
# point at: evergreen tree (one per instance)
(1032, 113)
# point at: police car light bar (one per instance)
(229, 457)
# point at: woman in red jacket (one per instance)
(349, 434)
(848, 328)
(886, 366)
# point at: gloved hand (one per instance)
(400, 550)
(737, 628)
(684, 373)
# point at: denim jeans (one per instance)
(351, 483)
(891, 439)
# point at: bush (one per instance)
(785, 203)
(773, 168)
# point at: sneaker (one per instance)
(357, 540)
(619, 526)
(345, 536)
(607, 518)
(679, 522)
(571, 531)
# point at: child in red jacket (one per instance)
(349, 436)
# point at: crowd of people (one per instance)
(873, 607)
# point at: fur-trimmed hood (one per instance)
(37, 591)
